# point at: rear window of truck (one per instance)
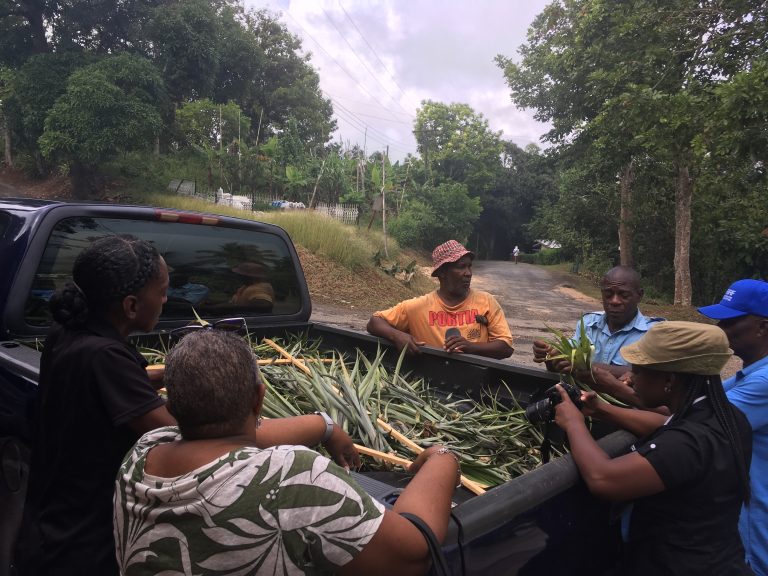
(213, 270)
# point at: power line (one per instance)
(348, 111)
(392, 76)
(363, 88)
(370, 132)
(362, 103)
(354, 51)
(350, 116)
(382, 118)
(373, 137)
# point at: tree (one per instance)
(605, 73)
(525, 179)
(6, 77)
(202, 123)
(186, 46)
(457, 144)
(24, 23)
(110, 106)
(15, 41)
(33, 90)
(241, 61)
(287, 86)
(581, 55)
(436, 214)
(40, 26)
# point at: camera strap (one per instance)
(439, 563)
(546, 444)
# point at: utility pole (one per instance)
(258, 130)
(320, 175)
(239, 171)
(221, 147)
(384, 200)
(405, 182)
(365, 157)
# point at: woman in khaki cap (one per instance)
(687, 477)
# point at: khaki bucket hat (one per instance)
(686, 347)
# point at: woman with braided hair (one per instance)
(688, 476)
(95, 401)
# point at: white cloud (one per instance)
(379, 59)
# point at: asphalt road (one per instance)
(532, 298)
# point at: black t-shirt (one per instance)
(691, 527)
(92, 383)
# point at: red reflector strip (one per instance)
(186, 218)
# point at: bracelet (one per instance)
(445, 450)
(328, 427)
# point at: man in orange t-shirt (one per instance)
(476, 317)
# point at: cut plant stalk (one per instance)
(298, 363)
(492, 439)
(416, 449)
(384, 457)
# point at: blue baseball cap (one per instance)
(742, 297)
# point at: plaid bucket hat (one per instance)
(448, 252)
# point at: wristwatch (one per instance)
(328, 427)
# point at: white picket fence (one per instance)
(346, 213)
(234, 200)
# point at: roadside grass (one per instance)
(649, 306)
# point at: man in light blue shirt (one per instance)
(620, 324)
(743, 316)
(608, 342)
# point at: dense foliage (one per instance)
(83, 82)
(659, 124)
(658, 114)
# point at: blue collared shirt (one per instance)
(607, 344)
(748, 391)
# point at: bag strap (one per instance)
(546, 443)
(439, 564)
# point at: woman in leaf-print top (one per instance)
(219, 495)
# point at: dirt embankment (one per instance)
(14, 184)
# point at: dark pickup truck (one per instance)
(544, 522)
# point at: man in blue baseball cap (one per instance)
(743, 316)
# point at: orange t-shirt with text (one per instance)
(427, 318)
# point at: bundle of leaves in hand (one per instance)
(578, 350)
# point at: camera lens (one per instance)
(540, 411)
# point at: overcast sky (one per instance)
(378, 59)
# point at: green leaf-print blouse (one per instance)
(281, 511)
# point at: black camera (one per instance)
(544, 410)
